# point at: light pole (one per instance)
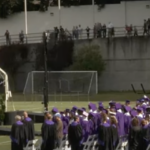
(26, 20)
(45, 89)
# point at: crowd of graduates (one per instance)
(78, 123)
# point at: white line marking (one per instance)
(4, 142)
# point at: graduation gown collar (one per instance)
(19, 123)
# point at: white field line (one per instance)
(4, 142)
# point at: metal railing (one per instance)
(38, 37)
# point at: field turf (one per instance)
(20, 102)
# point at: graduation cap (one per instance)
(112, 104)
(83, 108)
(92, 106)
(133, 113)
(55, 110)
(139, 109)
(74, 108)
(67, 110)
(92, 114)
(127, 108)
(80, 110)
(118, 106)
(127, 101)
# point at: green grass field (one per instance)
(19, 102)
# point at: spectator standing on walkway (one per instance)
(7, 35)
(88, 32)
(145, 27)
(73, 33)
(95, 30)
(135, 31)
(59, 129)
(76, 32)
(21, 37)
(99, 30)
(110, 29)
(80, 31)
(148, 25)
(104, 31)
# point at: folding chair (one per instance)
(38, 147)
(123, 142)
(89, 143)
(31, 145)
(62, 145)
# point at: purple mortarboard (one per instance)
(81, 110)
(127, 101)
(55, 110)
(100, 107)
(74, 108)
(139, 109)
(127, 108)
(67, 110)
(90, 106)
(92, 114)
(100, 104)
(84, 108)
(142, 100)
(94, 107)
(61, 112)
(118, 106)
(112, 104)
(133, 113)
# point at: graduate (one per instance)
(75, 134)
(135, 135)
(145, 134)
(29, 125)
(104, 134)
(114, 132)
(48, 131)
(120, 118)
(85, 127)
(18, 135)
(127, 119)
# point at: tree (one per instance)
(59, 55)
(88, 58)
(8, 7)
(11, 58)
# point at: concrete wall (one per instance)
(127, 62)
(119, 14)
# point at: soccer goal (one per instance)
(63, 84)
(4, 82)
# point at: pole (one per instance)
(25, 13)
(59, 8)
(93, 4)
(45, 90)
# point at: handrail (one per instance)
(37, 37)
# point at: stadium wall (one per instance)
(127, 62)
(133, 12)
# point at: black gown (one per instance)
(74, 135)
(18, 136)
(104, 137)
(114, 137)
(30, 128)
(48, 135)
(145, 137)
(135, 138)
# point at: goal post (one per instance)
(4, 77)
(64, 83)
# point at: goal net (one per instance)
(62, 85)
